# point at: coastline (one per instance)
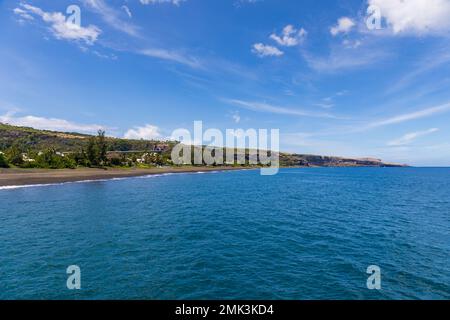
(32, 177)
(25, 177)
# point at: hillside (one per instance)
(29, 139)
(33, 140)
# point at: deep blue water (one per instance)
(302, 234)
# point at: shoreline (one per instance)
(17, 177)
(29, 177)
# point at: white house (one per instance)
(26, 158)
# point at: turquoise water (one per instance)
(303, 234)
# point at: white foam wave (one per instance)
(100, 180)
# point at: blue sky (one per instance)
(313, 69)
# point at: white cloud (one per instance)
(366, 126)
(171, 56)
(415, 16)
(326, 105)
(112, 17)
(148, 132)
(265, 107)
(344, 25)
(53, 124)
(127, 11)
(236, 117)
(290, 36)
(344, 59)
(436, 60)
(23, 14)
(411, 116)
(239, 3)
(175, 2)
(104, 56)
(58, 25)
(410, 137)
(263, 50)
(349, 44)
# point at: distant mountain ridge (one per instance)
(30, 139)
(329, 161)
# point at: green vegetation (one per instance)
(3, 162)
(14, 156)
(50, 159)
(29, 139)
(24, 147)
(31, 148)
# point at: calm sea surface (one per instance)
(303, 234)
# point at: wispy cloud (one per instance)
(60, 28)
(351, 44)
(344, 59)
(438, 58)
(236, 117)
(24, 14)
(410, 116)
(48, 123)
(175, 2)
(171, 56)
(268, 108)
(127, 11)
(325, 105)
(112, 16)
(239, 3)
(359, 125)
(410, 137)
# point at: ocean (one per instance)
(303, 234)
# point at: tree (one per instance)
(47, 159)
(3, 162)
(53, 160)
(97, 149)
(102, 147)
(116, 162)
(14, 156)
(92, 151)
(80, 158)
(159, 160)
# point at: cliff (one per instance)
(29, 139)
